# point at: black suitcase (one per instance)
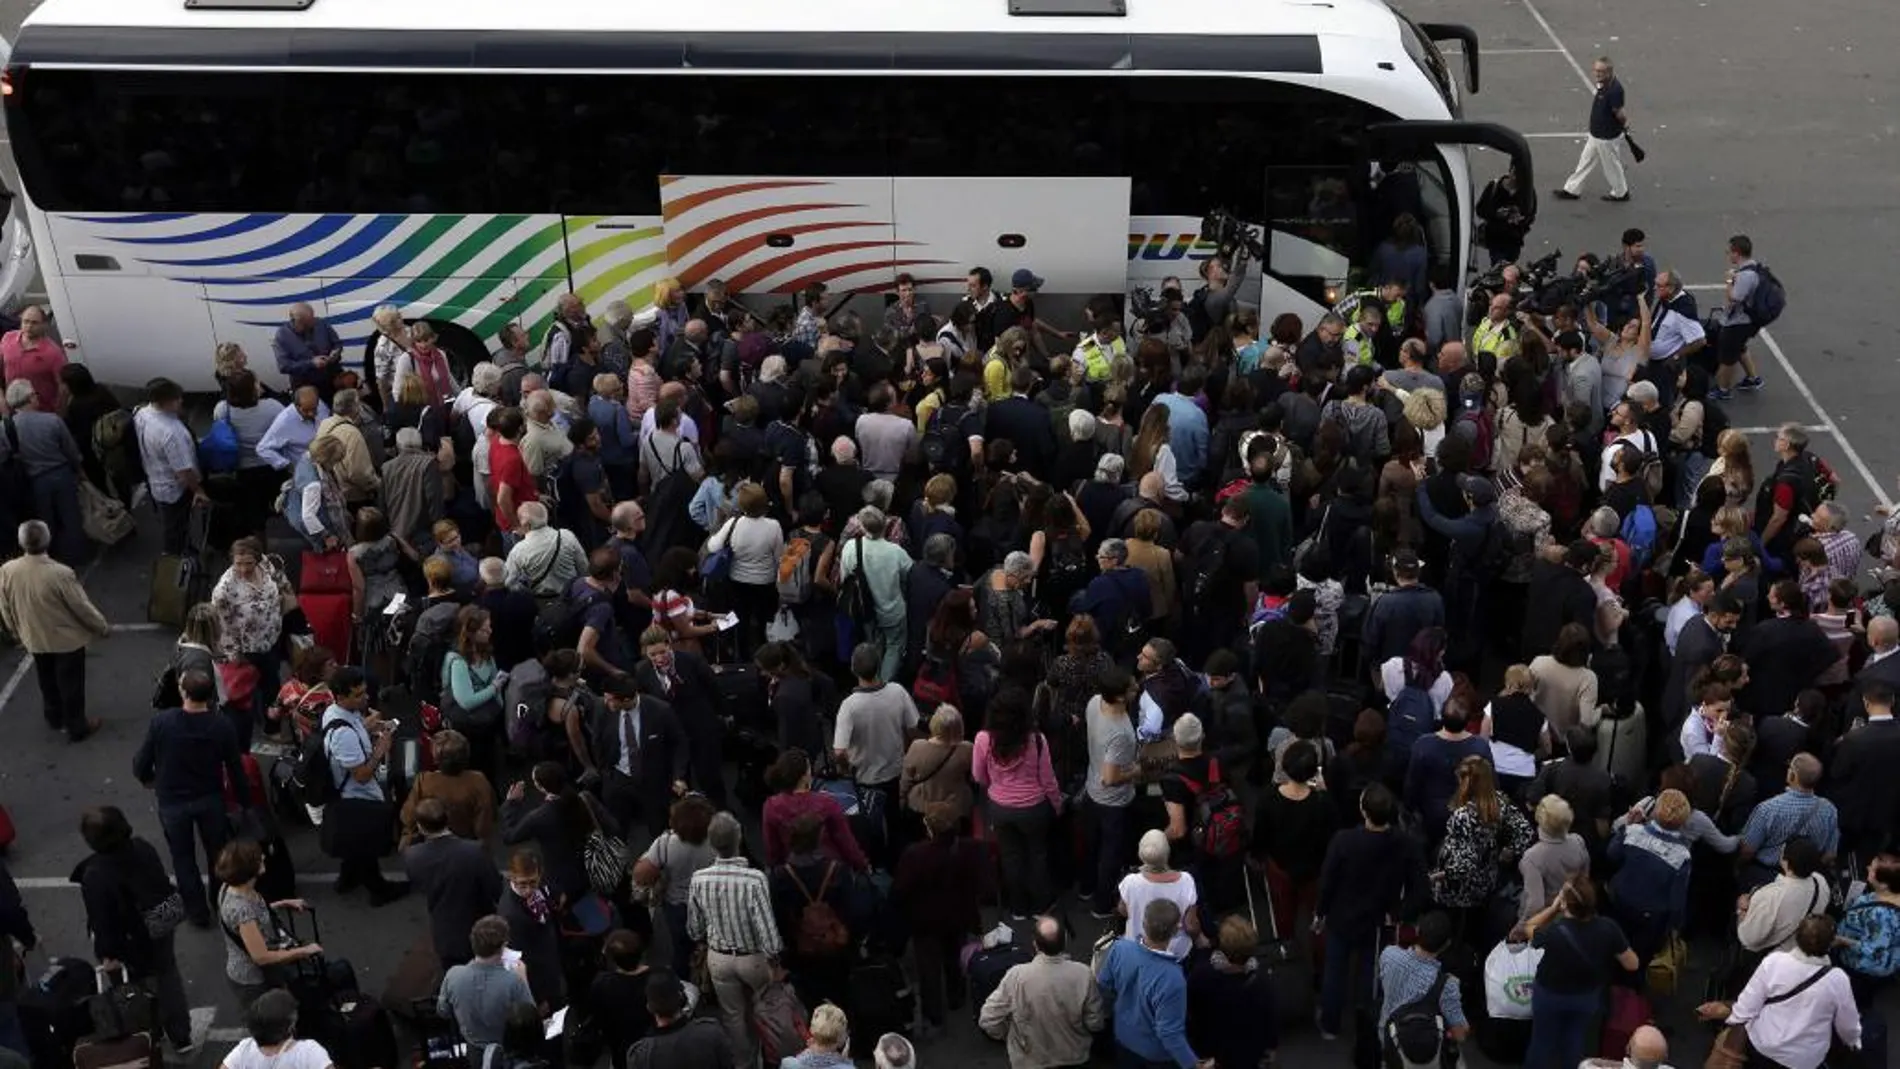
(357, 1033)
(1503, 1041)
(280, 791)
(741, 698)
(987, 968)
(880, 997)
(53, 1010)
(1287, 969)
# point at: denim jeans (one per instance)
(185, 823)
(1337, 993)
(1560, 1026)
(1108, 826)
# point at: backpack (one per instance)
(1410, 717)
(1415, 1033)
(1769, 299)
(1642, 533)
(218, 450)
(1210, 560)
(854, 590)
(1065, 568)
(1826, 483)
(1220, 826)
(1616, 681)
(560, 621)
(1481, 438)
(779, 1018)
(668, 523)
(943, 446)
(821, 932)
(422, 666)
(796, 568)
(313, 779)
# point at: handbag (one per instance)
(238, 680)
(715, 564)
(606, 859)
(652, 894)
(1730, 1050)
(164, 918)
(1664, 974)
(783, 627)
(103, 518)
(325, 573)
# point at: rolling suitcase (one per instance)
(129, 1052)
(984, 970)
(53, 1010)
(1287, 970)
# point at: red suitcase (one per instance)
(254, 780)
(1629, 1010)
(324, 573)
(330, 623)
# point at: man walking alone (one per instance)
(1607, 122)
(45, 607)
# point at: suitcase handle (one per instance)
(287, 917)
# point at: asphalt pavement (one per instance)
(1761, 118)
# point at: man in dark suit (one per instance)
(1861, 780)
(1883, 663)
(641, 755)
(1703, 639)
(1785, 654)
(684, 681)
(1779, 738)
(1560, 594)
(1024, 424)
(456, 877)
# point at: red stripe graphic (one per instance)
(677, 249)
(704, 268)
(673, 209)
(830, 273)
(753, 275)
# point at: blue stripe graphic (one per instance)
(231, 229)
(323, 227)
(357, 244)
(412, 291)
(390, 266)
(149, 217)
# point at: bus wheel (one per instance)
(464, 348)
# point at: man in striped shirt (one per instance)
(1797, 811)
(729, 914)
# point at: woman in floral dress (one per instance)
(1485, 831)
(249, 598)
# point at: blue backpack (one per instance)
(1641, 531)
(1769, 299)
(218, 450)
(1410, 718)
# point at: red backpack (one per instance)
(936, 684)
(1220, 827)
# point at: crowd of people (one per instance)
(1412, 680)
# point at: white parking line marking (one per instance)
(1582, 75)
(137, 628)
(1557, 137)
(202, 1017)
(1847, 448)
(1453, 47)
(1811, 428)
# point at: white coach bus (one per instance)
(192, 167)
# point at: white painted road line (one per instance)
(1582, 75)
(1811, 428)
(202, 1018)
(140, 628)
(1557, 137)
(1847, 448)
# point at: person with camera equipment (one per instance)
(1608, 121)
(1504, 215)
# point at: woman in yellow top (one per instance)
(1011, 347)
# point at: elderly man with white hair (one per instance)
(1829, 523)
(843, 481)
(546, 560)
(676, 393)
(51, 459)
(1648, 1049)
(884, 567)
(43, 604)
(544, 444)
(570, 312)
(412, 489)
(616, 331)
(307, 349)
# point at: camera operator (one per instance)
(1165, 320)
(1676, 335)
(1505, 217)
(1219, 294)
(1624, 305)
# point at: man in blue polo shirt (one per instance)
(1607, 121)
(1145, 985)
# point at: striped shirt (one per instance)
(1405, 978)
(1843, 555)
(1786, 815)
(729, 908)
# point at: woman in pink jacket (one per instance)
(1011, 764)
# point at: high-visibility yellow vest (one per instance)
(1498, 339)
(1098, 360)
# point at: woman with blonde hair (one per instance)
(830, 1043)
(665, 317)
(1484, 829)
(1152, 453)
(937, 768)
(1733, 521)
(314, 503)
(1733, 466)
(754, 541)
(1557, 857)
(1515, 726)
(1011, 349)
(426, 360)
(934, 513)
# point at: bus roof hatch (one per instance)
(1069, 8)
(249, 5)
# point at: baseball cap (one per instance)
(1478, 489)
(1025, 279)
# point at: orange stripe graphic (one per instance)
(677, 249)
(673, 209)
(796, 284)
(704, 268)
(751, 276)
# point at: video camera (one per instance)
(1541, 290)
(1229, 232)
(1149, 311)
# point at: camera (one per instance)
(1229, 232)
(1150, 312)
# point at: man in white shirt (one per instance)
(675, 392)
(876, 723)
(1688, 607)
(170, 457)
(1796, 1002)
(1674, 330)
(883, 438)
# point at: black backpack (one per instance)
(668, 522)
(1414, 1036)
(943, 446)
(1210, 560)
(315, 781)
(560, 621)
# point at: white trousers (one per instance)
(1598, 151)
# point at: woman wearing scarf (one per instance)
(534, 929)
(426, 360)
